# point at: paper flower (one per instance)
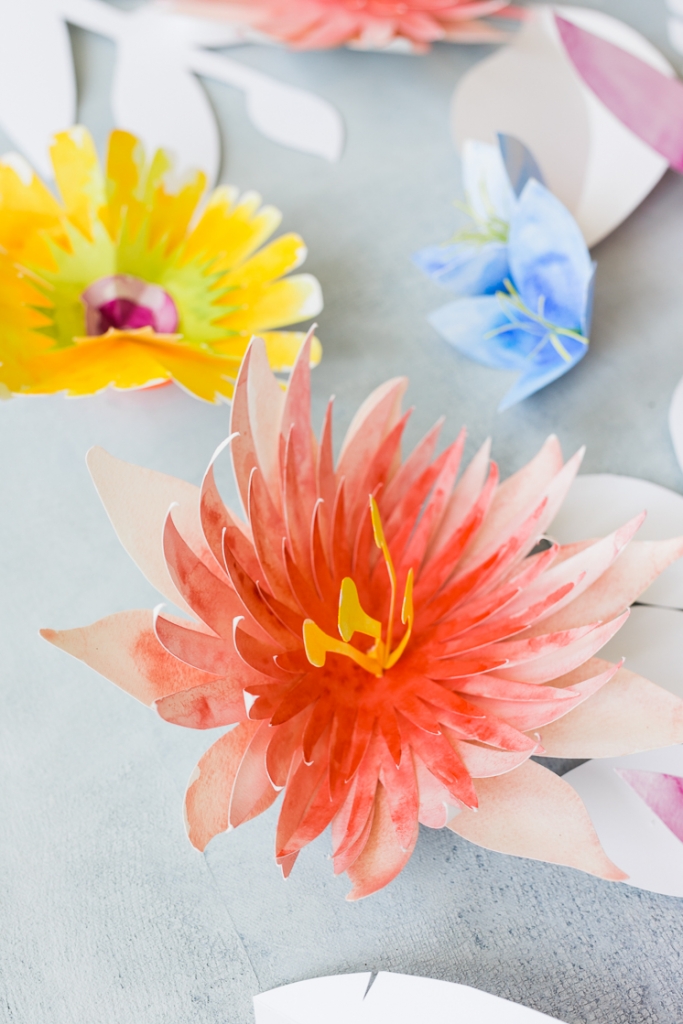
(369, 24)
(531, 254)
(392, 643)
(133, 286)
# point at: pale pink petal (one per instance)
(533, 813)
(486, 762)
(412, 469)
(252, 791)
(629, 714)
(266, 403)
(383, 856)
(124, 648)
(137, 501)
(378, 414)
(208, 793)
(464, 496)
(547, 667)
(434, 797)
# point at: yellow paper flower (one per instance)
(127, 283)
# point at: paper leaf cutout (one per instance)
(390, 622)
(644, 100)
(390, 999)
(630, 831)
(35, 50)
(159, 55)
(75, 326)
(662, 793)
(598, 502)
(601, 172)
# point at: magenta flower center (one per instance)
(125, 303)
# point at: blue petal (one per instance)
(466, 324)
(486, 183)
(545, 366)
(549, 259)
(519, 163)
(465, 269)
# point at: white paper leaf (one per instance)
(598, 168)
(37, 84)
(392, 999)
(599, 503)
(631, 834)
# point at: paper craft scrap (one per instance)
(388, 999)
(531, 90)
(646, 101)
(117, 286)
(630, 829)
(523, 269)
(390, 643)
(155, 92)
(368, 25)
(662, 793)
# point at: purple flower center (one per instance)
(126, 303)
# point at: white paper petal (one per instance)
(599, 503)
(651, 640)
(676, 421)
(598, 168)
(37, 84)
(631, 834)
(392, 999)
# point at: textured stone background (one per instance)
(109, 917)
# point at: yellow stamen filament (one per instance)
(354, 619)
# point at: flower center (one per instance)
(123, 303)
(354, 619)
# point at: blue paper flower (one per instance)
(537, 320)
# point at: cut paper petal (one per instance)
(465, 269)
(651, 643)
(676, 421)
(390, 999)
(597, 503)
(602, 172)
(385, 661)
(630, 831)
(533, 813)
(662, 793)
(646, 101)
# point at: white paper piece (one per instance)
(675, 24)
(598, 168)
(651, 641)
(630, 833)
(676, 421)
(155, 92)
(392, 999)
(37, 82)
(599, 503)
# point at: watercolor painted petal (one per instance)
(547, 365)
(486, 183)
(124, 649)
(629, 714)
(210, 787)
(467, 324)
(532, 813)
(465, 268)
(549, 259)
(383, 857)
(662, 793)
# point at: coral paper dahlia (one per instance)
(388, 634)
(129, 281)
(368, 24)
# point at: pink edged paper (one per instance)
(381, 637)
(630, 830)
(531, 90)
(646, 101)
(389, 999)
(662, 793)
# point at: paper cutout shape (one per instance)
(598, 502)
(391, 999)
(675, 24)
(629, 830)
(390, 649)
(115, 287)
(370, 25)
(524, 269)
(646, 101)
(531, 90)
(676, 421)
(159, 55)
(662, 793)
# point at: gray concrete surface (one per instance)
(108, 916)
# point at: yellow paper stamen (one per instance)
(354, 619)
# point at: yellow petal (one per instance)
(172, 212)
(125, 169)
(208, 237)
(243, 231)
(27, 207)
(262, 307)
(275, 260)
(283, 347)
(78, 176)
